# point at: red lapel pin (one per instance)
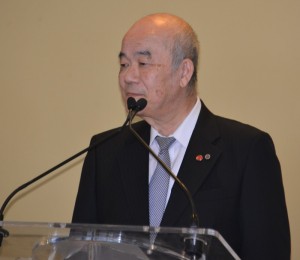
(199, 157)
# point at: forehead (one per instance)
(137, 43)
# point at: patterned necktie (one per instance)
(158, 188)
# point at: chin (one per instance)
(142, 114)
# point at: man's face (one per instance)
(146, 71)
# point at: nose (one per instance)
(130, 74)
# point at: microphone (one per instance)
(140, 105)
(193, 245)
(132, 105)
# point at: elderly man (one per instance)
(230, 168)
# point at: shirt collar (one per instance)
(184, 132)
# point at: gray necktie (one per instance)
(159, 183)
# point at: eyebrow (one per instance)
(144, 53)
(138, 53)
(121, 55)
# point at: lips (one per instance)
(136, 96)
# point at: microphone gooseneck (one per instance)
(140, 105)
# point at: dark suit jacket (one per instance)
(238, 191)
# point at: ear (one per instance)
(187, 69)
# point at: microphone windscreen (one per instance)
(141, 104)
(131, 103)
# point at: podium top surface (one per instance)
(37, 240)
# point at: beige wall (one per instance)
(58, 85)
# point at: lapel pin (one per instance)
(207, 156)
(199, 157)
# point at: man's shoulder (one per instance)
(236, 127)
(230, 130)
(226, 124)
(242, 135)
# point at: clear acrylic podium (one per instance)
(53, 241)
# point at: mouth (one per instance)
(136, 96)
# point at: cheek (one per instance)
(122, 90)
(155, 85)
(122, 84)
(121, 81)
(159, 93)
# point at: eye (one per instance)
(124, 65)
(143, 64)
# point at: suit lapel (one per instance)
(200, 157)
